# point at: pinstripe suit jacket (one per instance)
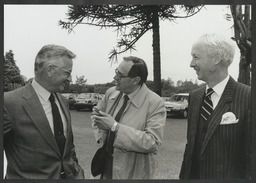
(30, 146)
(226, 149)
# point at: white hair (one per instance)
(218, 44)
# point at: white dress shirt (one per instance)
(218, 91)
(44, 96)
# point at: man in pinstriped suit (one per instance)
(220, 146)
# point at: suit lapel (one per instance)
(223, 106)
(195, 106)
(113, 102)
(38, 116)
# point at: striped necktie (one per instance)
(207, 106)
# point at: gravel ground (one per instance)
(169, 156)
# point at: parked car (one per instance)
(177, 104)
(87, 101)
(71, 98)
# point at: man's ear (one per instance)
(136, 80)
(217, 59)
(49, 70)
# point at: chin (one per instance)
(199, 76)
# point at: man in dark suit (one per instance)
(38, 137)
(219, 116)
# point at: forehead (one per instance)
(124, 67)
(199, 49)
(65, 62)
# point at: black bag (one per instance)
(98, 161)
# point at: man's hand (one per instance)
(103, 121)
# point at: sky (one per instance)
(27, 28)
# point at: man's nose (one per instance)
(69, 78)
(192, 63)
(115, 77)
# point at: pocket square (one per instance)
(228, 118)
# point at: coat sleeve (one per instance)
(147, 140)
(7, 126)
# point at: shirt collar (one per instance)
(40, 90)
(131, 95)
(219, 88)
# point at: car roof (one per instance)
(182, 94)
(66, 94)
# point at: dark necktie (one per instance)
(58, 125)
(207, 106)
(111, 136)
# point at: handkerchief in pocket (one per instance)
(228, 118)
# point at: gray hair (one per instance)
(218, 44)
(51, 51)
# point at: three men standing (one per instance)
(38, 137)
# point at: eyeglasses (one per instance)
(66, 71)
(119, 75)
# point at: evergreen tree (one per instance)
(12, 77)
(134, 19)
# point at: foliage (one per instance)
(80, 80)
(76, 88)
(131, 22)
(12, 77)
(168, 87)
(136, 19)
(102, 88)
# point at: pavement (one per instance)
(169, 157)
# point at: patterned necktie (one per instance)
(57, 125)
(207, 106)
(117, 118)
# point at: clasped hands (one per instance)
(102, 120)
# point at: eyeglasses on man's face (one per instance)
(66, 71)
(119, 74)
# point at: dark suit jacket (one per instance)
(226, 150)
(30, 146)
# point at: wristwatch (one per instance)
(113, 128)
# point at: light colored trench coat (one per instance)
(139, 136)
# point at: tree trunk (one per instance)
(244, 71)
(156, 52)
(242, 29)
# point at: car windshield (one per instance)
(85, 96)
(178, 98)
